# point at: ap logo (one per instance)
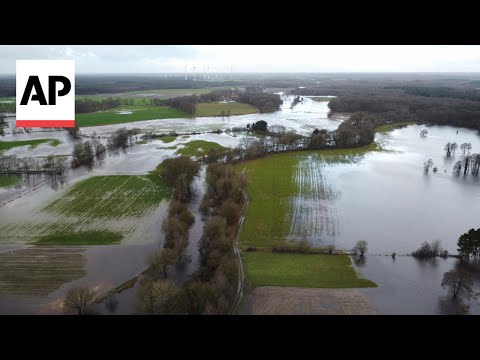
(45, 93)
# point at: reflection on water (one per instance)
(410, 286)
(387, 199)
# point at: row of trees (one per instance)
(264, 102)
(158, 294)
(52, 164)
(211, 289)
(451, 148)
(213, 285)
(470, 162)
(430, 250)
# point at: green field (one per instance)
(139, 113)
(389, 127)
(6, 180)
(111, 197)
(215, 109)
(7, 145)
(199, 148)
(302, 270)
(272, 187)
(102, 208)
(93, 237)
(167, 139)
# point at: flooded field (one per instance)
(34, 203)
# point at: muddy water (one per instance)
(109, 266)
(410, 286)
(386, 198)
(303, 118)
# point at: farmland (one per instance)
(98, 210)
(277, 185)
(215, 109)
(125, 114)
(303, 270)
(40, 270)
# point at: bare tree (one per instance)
(453, 148)
(427, 165)
(457, 167)
(448, 149)
(459, 283)
(79, 300)
(163, 259)
(436, 247)
(466, 147)
(361, 247)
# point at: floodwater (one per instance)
(110, 266)
(386, 198)
(407, 286)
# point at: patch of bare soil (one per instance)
(273, 300)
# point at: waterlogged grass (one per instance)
(98, 210)
(302, 270)
(54, 142)
(215, 109)
(7, 181)
(273, 186)
(111, 197)
(7, 145)
(321, 98)
(199, 148)
(389, 127)
(93, 237)
(167, 139)
(138, 113)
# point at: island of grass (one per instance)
(389, 127)
(216, 108)
(92, 237)
(321, 98)
(302, 270)
(8, 180)
(7, 145)
(125, 114)
(199, 148)
(167, 139)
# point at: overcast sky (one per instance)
(251, 58)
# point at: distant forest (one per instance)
(457, 105)
(105, 84)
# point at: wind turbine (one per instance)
(186, 76)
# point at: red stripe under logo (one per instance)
(46, 123)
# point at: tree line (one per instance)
(264, 102)
(50, 164)
(211, 289)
